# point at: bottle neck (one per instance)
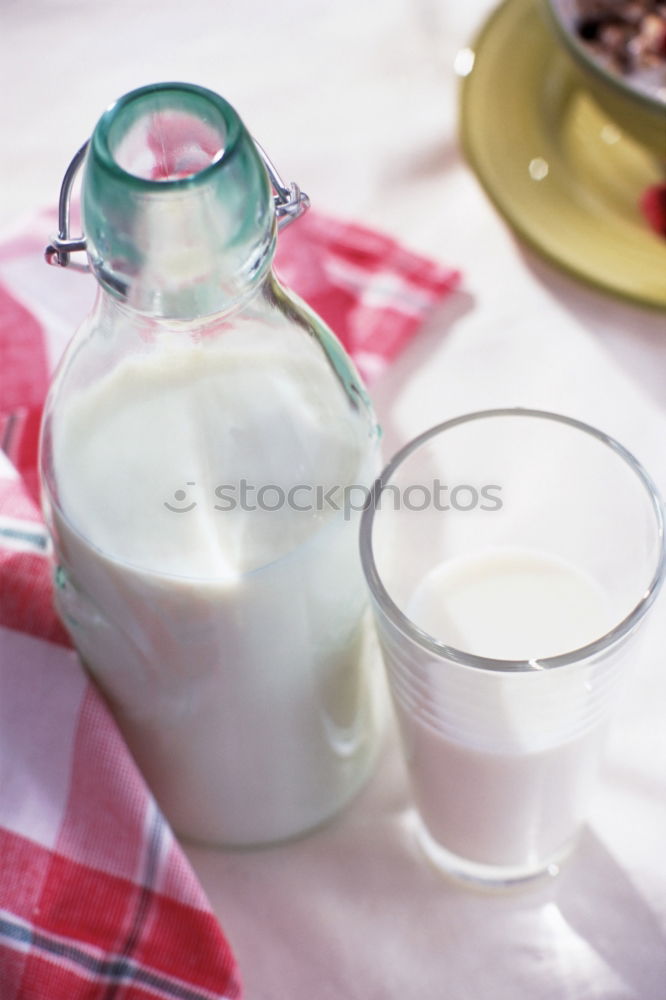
(256, 300)
(177, 205)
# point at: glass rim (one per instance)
(100, 147)
(441, 649)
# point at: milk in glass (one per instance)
(502, 763)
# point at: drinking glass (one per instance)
(512, 556)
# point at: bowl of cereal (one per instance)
(619, 47)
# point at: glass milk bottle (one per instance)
(198, 446)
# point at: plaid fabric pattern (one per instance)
(96, 898)
(97, 901)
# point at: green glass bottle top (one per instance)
(177, 207)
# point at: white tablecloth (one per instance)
(356, 101)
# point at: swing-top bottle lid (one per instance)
(177, 212)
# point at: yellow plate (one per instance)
(565, 178)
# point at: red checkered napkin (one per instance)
(97, 900)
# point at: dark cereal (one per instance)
(628, 36)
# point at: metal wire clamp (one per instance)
(289, 201)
